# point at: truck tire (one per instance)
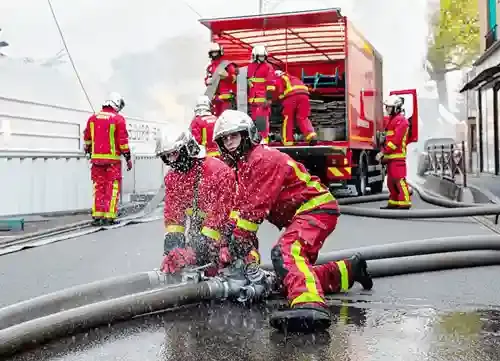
(378, 187)
(361, 181)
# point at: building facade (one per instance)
(483, 97)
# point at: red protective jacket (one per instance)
(106, 136)
(202, 128)
(272, 186)
(216, 188)
(287, 85)
(260, 82)
(396, 138)
(227, 86)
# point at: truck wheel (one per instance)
(378, 187)
(361, 182)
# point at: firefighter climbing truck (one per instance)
(343, 72)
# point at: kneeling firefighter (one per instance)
(202, 126)
(198, 194)
(272, 186)
(394, 154)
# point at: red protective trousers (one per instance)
(260, 114)
(295, 254)
(296, 109)
(106, 180)
(399, 194)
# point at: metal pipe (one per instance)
(81, 295)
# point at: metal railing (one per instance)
(448, 161)
(491, 37)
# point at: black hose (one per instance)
(81, 295)
(41, 330)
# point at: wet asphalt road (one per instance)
(435, 316)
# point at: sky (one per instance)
(161, 48)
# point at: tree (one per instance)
(454, 41)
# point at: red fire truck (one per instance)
(343, 72)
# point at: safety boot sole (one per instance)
(301, 320)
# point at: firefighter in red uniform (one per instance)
(202, 126)
(225, 92)
(106, 139)
(198, 193)
(272, 186)
(294, 97)
(394, 154)
(261, 87)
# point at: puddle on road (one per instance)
(228, 332)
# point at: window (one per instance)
(491, 36)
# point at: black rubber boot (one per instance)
(390, 206)
(97, 222)
(303, 318)
(109, 222)
(360, 271)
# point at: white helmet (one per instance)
(175, 140)
(395, 102)
(115, 101)
(279, 73)
(259, 53)
(234, 121)
(215, 50)
(203, 106)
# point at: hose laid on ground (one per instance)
(41, 330)
(35, 332)
(81, 295)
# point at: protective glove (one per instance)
(129, 164)
(241, 247)
(224, 256)
(177, 259)
(379, 156)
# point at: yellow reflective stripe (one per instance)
(104, 115)
(257, 80)
(213, 154)
(316, 202)
(270, 87)
(114, 200)
(200, 213)
(92, 137)
(112, 146)
(265, 140)
(256, 256)
(283, 132)
(395, 156)
(305, 177)
(212, 233)
(94, 199)
(312, 294)
(225, 96)
(174, 228)
(289, 88)
(389, 132)
(204, 136)
(124, 147)
(391, 145)
(399, 203)
(312, 134)
(247, 225)
(105, 156)
(88, 142)
(257, 100)
(406, 192)
(344, 276)
(234, 215)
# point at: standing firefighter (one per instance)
(272, 186)
(106, 139)
(198, 193)
(260, 74)
(394, 154)
(220, 80)
(202, 126)
(294, 97)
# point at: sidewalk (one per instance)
(485, 182)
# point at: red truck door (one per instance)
(411, 110)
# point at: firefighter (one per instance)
(198, 193)
(202, 126)
(224, 92)
(294, 97)
(394, 154)
(260, 74)
(272, 186)
(106, 139)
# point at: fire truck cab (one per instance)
(343, 72)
